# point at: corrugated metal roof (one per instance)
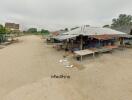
(94, 31)
(64, 37)
(89, 31)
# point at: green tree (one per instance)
(74, 28)
(32, 30)
(45, 32)
(122, 20)
(66, 29)
(131, 32)
(107, 26)
(2, 29)
(2, 33)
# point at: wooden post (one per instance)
(81, 45)
(123, 43)
(99, 43)
(81, 58)
(93, 54)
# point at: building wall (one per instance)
(12, 26)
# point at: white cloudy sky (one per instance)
(56, 14)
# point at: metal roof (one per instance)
(89, 31)
(94, 31)
(64, 37)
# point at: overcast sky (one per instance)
(57, 14)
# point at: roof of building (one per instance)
(96, 32)
(64, 37)
(58, 32)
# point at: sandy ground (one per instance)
(26, 68)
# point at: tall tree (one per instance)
(107, 26)
(122, 20)
(66, 29)
(45, 32)
(32, 30)
(74, 28)
(131, 32)
(2, 29)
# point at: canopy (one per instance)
(95, 32)
(86, 31)
(64, 37)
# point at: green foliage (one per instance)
(107, 26)
(44, 32)
(66, 29)
(74, 28)
(32, 30)
(131, 32)
(2, 29)
(122, 20)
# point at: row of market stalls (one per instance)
(90, 40)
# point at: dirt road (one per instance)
(26, 68)
(24, 63)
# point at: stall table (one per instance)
(82, 53)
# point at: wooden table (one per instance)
(82, 53)
(101, 50)
(112, 47)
